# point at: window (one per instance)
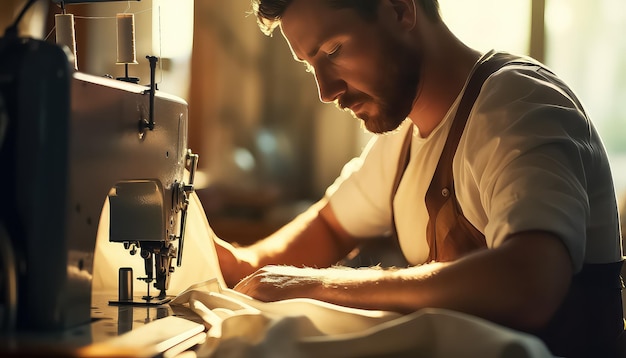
(585, 46)
(490, 24)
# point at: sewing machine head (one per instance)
(69, 141)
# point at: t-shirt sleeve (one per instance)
(532, 151)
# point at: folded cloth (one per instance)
(240, 326)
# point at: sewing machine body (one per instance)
(72, 140)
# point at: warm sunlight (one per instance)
(490, 24)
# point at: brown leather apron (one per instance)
(589, 320)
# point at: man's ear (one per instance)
(404, 12)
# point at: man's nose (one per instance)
(329, 85)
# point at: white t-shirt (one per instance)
(529, 159)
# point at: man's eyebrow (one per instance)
(314, 51)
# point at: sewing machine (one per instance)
(68, 142)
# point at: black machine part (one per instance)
(35, 87)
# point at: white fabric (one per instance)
(240, 327)
(529, 159)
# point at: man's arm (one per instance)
(313, 239)
(519, 284)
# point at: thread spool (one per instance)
(126, 39)
(65, 34)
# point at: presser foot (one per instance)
(125, 296)
(143, 301)
(125, 291)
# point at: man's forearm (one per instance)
(519, 284)
(307, 241)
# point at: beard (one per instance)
(393, 99)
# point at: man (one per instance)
(535, 240)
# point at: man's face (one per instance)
(363, 66)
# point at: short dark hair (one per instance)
(270, 12)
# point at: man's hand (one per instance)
(234, 262)
(274, 283)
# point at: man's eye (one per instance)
(334, 52)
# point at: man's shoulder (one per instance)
(525, 86)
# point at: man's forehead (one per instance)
(307, 23)
(301, 15)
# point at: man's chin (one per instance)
(366, 122)
(375, 125)
(369, 127)
(379, 127)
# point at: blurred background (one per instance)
(267, 146)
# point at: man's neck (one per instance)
(444, 72)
